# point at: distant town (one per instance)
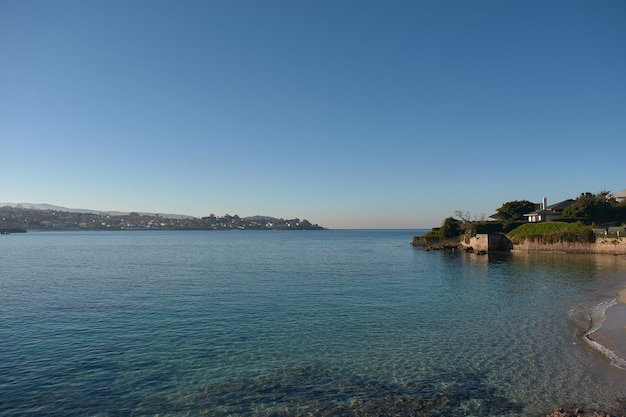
(20, 219)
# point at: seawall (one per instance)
(611, 246)
(496, 242)
(487, 242)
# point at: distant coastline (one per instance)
(22, 217)
(7, 231)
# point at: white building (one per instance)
(547, 213)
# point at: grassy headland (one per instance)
(551, 232)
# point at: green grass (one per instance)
(552, 232)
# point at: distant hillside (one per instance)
(31, 216)
(259, 217)
(42, 206)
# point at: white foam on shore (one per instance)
(598, 315)
(596, 318)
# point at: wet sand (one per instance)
(611, 337)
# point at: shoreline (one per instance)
(607, 331)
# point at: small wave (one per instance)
(616, 360)
(598, 315)
(596, 318)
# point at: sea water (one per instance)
(286, 323)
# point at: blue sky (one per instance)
(351, 114)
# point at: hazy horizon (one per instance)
(46, 206)
(355, 114)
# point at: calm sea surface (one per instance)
(249, 323)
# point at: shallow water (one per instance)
(286, 323)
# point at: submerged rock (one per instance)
(310, 390)
(576, 412)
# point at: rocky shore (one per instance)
(444, 244)
(6, 231)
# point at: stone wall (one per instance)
(613, 246)
(489, 242)
(480, 243)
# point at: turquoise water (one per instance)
(337, 323)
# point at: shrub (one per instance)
(508, 226)
(486, 227)
(450, 228)
(432, 236)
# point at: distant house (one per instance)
(620, 196)
(547, 213)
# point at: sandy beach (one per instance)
(610, 338)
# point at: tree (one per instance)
(620, 211)
(450, 228)
(464, 216)
(514, 210)
(592, 208)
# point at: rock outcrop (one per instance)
(444, 244)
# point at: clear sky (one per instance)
(351, 114)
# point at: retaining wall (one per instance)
(486, 242)
(613, 246)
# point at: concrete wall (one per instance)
(480, 243)
(489, 242)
